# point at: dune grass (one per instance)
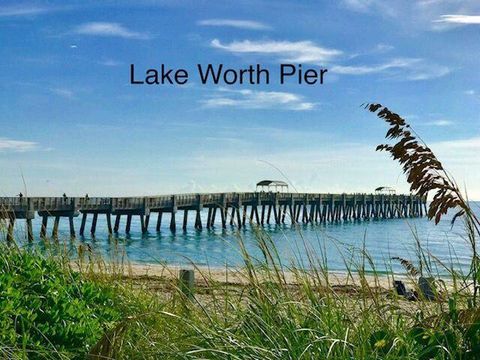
(53, 308)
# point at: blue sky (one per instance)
(72, 123)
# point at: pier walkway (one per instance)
(236, 209)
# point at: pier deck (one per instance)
(236, 209)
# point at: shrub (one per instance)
(45, 308)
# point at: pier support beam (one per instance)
(11, 225)
(306, 208)
(159, 221)
(43, 230)
(147, 221)
(276, 214)
(185, 219)
(142, 224)
(239, 218)
(117, 223)
(82, 226)
(94, 224)
(72, 226)
(55, 226)
(173, 225)
(291, 209)
(198, 221)
(305, 218)
(29, 230)
(109, 223)
(209, 218)
(214, 214)
(223, 213)
(232, 216)
(312, 213)
(129, 224)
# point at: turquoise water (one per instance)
(383, 239)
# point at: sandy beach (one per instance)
(237, 276)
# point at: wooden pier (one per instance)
(234, 209)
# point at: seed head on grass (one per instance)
(425, 173)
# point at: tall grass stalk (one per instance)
(298, 310)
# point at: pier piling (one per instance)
(185, 219)
(198, 221)
(159, 221)
(29, 230)
(109, 223)
(117, 223)
(11, 226)
(147, 222)
(142, 224)
(55, 226)
(93, 228)
(71, 226)
(82, 226)
(173, 225)
(260, 208)
(43, 230)
(128, 224)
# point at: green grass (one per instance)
(46, 308)
(49, 310)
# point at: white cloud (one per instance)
(292, 51)
(369, 69)
(252, 99)
(419, 14)
(240, 24)
(16, 145)
(21, 10)
(472, 93)
(459, 19)
(426, 71)
(110, 30)
(66, 93)
(358, 5)
(400, 68)
(110, 62)
(382, 48)
(309, 52)
(471, 144)
(441, 122)
(380, 7)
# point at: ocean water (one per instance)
(338, 243)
